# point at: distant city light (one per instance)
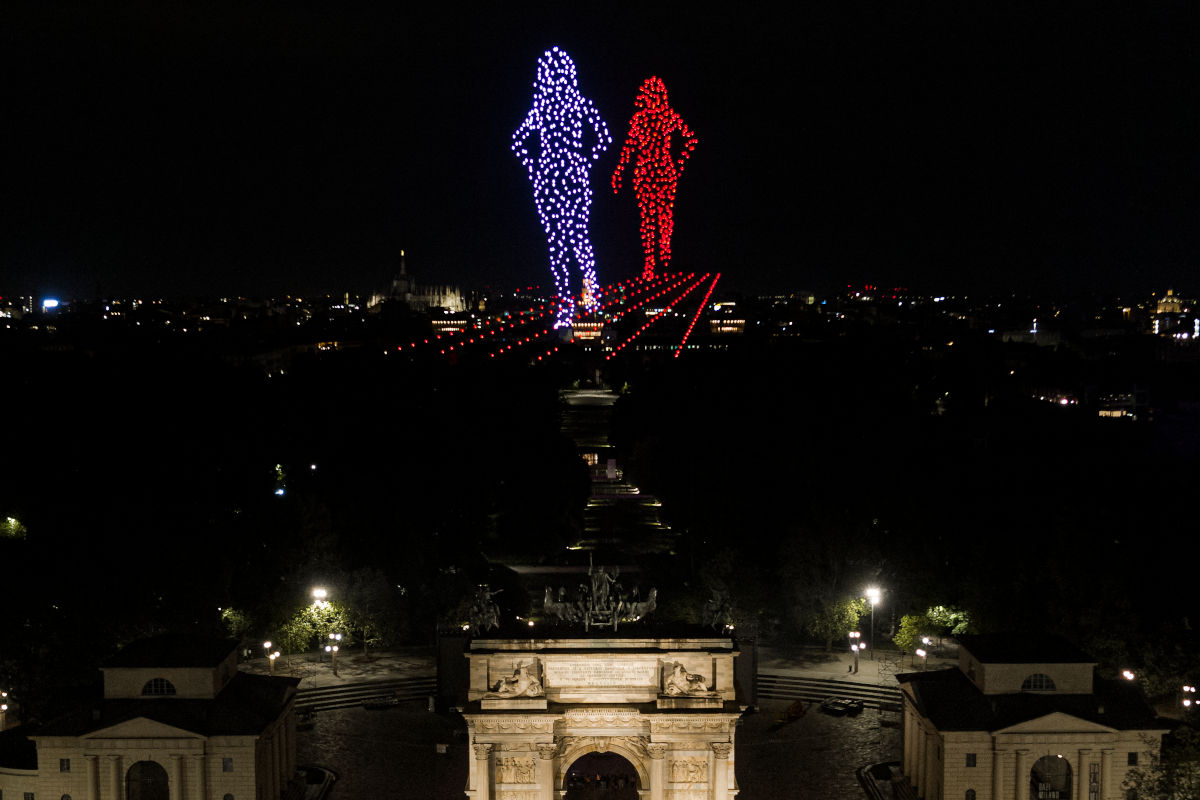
(49, 303)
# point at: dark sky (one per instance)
(169, 149)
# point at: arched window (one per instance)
(970, 794)
(66, 797)
(158, 687)
(1038, 682)
(227, 796)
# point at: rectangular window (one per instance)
(64, 765)
(1133, 759)
(28, 796)
(226, 765)
(1093, 782)
(970, 759)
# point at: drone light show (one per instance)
(559, 174)
(655, 172)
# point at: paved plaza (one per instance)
(407, 752)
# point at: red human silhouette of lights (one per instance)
(656, 171)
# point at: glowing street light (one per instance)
(873, 594)
(271, 657)
(1187, 701)
(855, 647)
(924, 661)
(1127, 675)
(332, 649)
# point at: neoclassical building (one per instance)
(541, 712)
(1023, 718)
(177, 721)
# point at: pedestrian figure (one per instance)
(656, 171)
(559, 171)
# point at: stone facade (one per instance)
(204, 732)
(668, 706)
(973, 734)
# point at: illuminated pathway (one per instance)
(617, 512)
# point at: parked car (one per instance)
(840, 706)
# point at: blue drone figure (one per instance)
(559, 174)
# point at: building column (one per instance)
(997, 774)
(277, 761)
(114, 776)
(720, 785)
(1106, 759)
(922, 761)
(1021, 784)
(546, 769)
(93, 777)
(1081, 777)
(201, 777)
(483, 771)
(176, 792)
(658, 770)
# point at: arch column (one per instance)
(658, 770)
(483, 771)
(720, 784)
(546, 769)
(1106, 758)
(114, 776)
(176, 792)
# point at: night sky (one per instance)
(206, 149)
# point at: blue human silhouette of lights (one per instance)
(559, 174)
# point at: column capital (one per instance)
(657, 750)
(547, 751)
(113, 758)
(722, 749)
(483, 751)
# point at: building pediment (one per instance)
(1056, 722)
(142, 728)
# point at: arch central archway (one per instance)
(601, 776)
(1050, 779)
(146, 780)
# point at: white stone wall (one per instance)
(1007, 678)
(15, 782)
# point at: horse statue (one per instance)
(638, 609)
(561, 609)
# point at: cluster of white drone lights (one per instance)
(559, 174)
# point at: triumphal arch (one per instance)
(539, 707)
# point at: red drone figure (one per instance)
(656, 175)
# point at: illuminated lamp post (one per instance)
(332, 649)
(873, 594)
(855, 646)
(924, 659)
(1187, 701)
(272, 658)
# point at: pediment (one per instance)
(142, 728)
(1057, 722)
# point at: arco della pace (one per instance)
(539, 709)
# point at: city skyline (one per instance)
(171, 152)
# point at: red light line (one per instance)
(699, 310)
